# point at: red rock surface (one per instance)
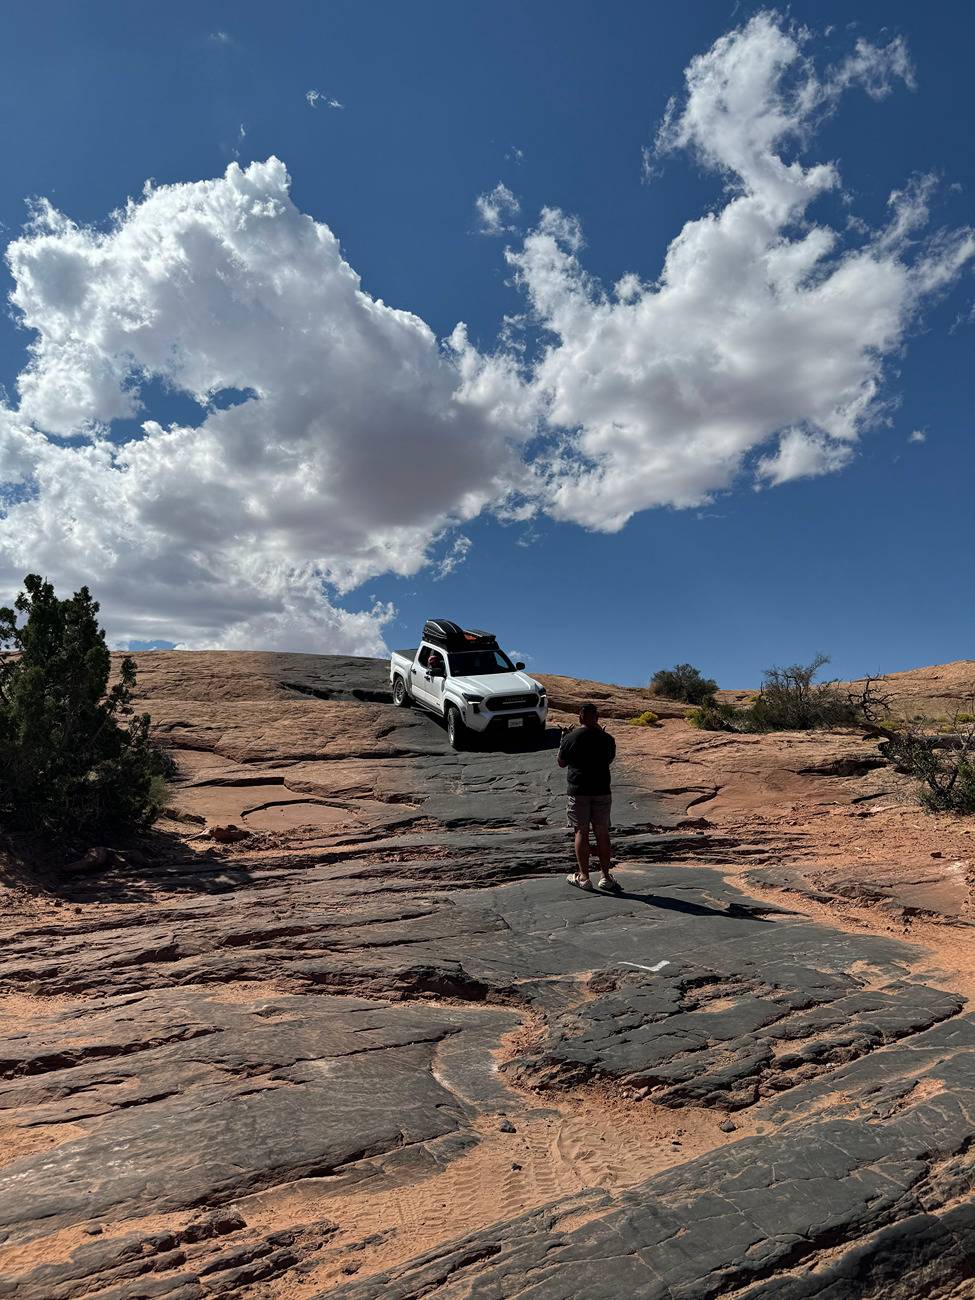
(377, 1046)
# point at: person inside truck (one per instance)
(435, 664)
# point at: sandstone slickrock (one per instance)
(377, 1049)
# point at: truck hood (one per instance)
(496, 684)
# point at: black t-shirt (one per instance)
(587, 753)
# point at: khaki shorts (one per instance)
(587, 810)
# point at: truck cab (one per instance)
(464, 677)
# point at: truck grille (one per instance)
(497, 702)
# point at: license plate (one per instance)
(516, 722)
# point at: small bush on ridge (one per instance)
(645, 719)
(683, 682)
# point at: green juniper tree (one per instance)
(70, 771)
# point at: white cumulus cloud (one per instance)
(762, 325)
(360, 440)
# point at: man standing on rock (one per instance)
(587, 751)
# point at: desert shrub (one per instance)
(892, 724)
(70, 771)
(792, 700)
(683, 682)
(715, 716)
(645, 719)
(943, 763)
(951, 788)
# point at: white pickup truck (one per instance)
(466, 678)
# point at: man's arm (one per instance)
(612, 747)
(562, 760)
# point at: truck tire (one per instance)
(456, 731)
(401, 696)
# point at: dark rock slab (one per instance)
(204, 1120)
(698, 1037)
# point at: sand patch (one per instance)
(594, 1139)
(18, 1143)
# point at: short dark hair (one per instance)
(588, 710)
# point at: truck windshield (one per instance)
(478, 663)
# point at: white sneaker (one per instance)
(579, 883)
(609, 885)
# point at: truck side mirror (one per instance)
(519, 665)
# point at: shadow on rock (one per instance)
(518, 741)
(157, 862)
(666, 903)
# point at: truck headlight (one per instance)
(473, 699)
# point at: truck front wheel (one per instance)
(401, 696)
(456, 731)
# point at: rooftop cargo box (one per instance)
(451, 635)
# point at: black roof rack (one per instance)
(443, 631)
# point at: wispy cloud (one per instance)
(918, 436)
(318, 98)
(874, 67)
(221, 37)
(495, 208)
(454, 558)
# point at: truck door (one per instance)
(437, 667)
(425, 688)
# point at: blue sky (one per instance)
(440, 104)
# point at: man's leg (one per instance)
(579, 821)
(582, 851)
(601, 808)
(604, 849)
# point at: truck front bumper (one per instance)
(501, 722)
